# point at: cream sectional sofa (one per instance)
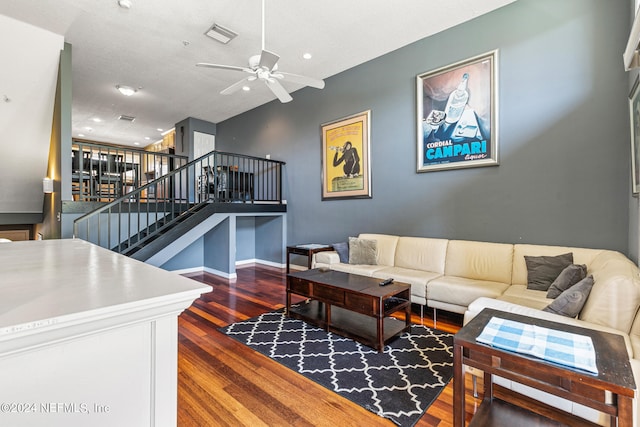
(467, 276)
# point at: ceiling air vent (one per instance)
(220, 33)
(126, 118)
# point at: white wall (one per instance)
(28, 77)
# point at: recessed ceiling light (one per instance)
(126, 90)
(307, 55)
(147, 138)
(160, 130)
(221, 34)
(81, 135)
(136, 143)
(246, 88)
(125, 4)
(97, 119)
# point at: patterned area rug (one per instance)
(399, 384)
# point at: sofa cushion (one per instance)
(342, 248)
(363, 251)
(519, 276)
(461, 290)
(491, 262)
(361, 269)
(417, 278)
(519, 294)
(386, 247)
(543, 270)
(567, 278)
(570, 302)
(421, 253)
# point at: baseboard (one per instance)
(238, 263)
(220, 273)
(188, 270)
(260, 261)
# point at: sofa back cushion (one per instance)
(386, 244)
(479, 260)
(615, 296)
(519, 275)
(421, 253)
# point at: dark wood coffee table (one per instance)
(350, 305)
(615, 376)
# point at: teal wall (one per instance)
(563, 132)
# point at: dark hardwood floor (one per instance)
(224, 383)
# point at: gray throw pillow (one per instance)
(543, 270)
(343, 251)
(569, 277)
(571, 301)
(362, 251)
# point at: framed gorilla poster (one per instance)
(346, 171)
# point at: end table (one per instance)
(306, 250)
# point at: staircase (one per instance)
(169, 213)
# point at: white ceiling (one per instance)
(156, 44)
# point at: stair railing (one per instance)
(217, 177)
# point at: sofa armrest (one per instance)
(325, 259)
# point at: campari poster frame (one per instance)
(457, 121)
(346, 166)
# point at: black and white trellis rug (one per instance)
(399, 384)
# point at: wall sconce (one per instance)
(47, 185)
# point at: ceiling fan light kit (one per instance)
(126, 90)
(125, 4)
(264, 67)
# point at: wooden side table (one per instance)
(614, 374)
(306, 250)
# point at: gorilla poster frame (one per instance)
(457, 115)
(346, 166)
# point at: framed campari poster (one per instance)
(456, 115)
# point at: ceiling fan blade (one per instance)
(307, 81)
(236, 86)
(268, 59)
(278, 90)
(224, 67)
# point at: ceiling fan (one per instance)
(264, 67)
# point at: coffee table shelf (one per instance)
(346, 323)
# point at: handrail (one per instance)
(220, 177)
(103, 172)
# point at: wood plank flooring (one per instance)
(224, 383)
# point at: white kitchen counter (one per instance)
(87, 336)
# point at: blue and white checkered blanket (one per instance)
(552, 345)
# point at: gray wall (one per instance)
(563, 132)
(184, 135)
